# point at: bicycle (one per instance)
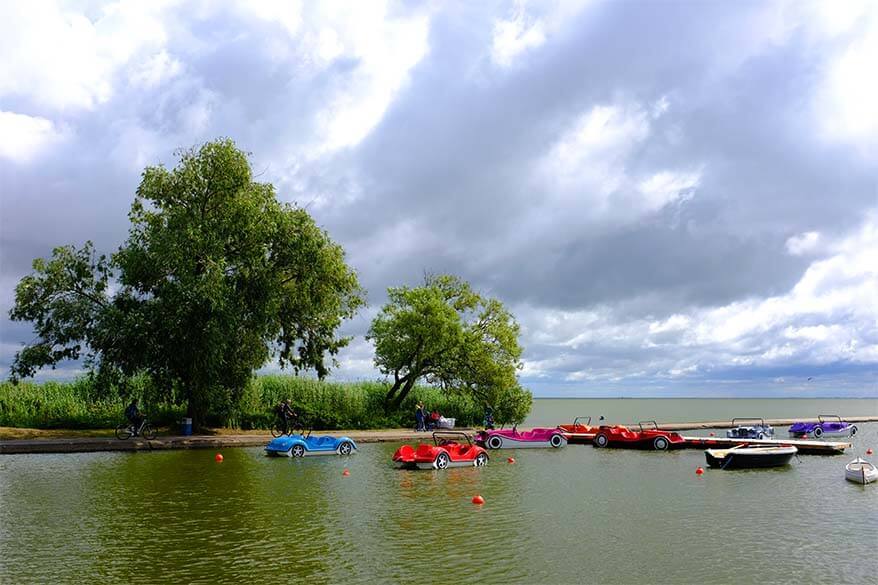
(291, 428)
(127, 430)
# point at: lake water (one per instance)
(571, 515)
(549, 411)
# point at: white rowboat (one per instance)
(860, 471)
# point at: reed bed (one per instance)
(325, 405)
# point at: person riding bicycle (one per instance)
(134, 416)
(287, 414)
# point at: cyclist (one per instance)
(134, 416)
(287, 414)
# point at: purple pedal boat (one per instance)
(829, 425)
(514, 439)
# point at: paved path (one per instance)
(86, 444)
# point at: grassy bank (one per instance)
(328, 405)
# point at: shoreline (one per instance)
(81, 444)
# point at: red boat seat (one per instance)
(462, 451)
(404, 453)
(424, 450)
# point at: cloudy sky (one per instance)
(673, 198)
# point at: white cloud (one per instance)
(287, 13)
(514, 36)
(666, 187)
(588, 160)
(845, 108)
(156, 70)
(528, 27)
(67, 59)
(386, 49)
(24, 137)
(803, 243)
(589, 164)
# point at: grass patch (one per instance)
(326, 405)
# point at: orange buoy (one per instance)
(478, 500)
(699, 471)
(510, 460)
(869, 451)
(219, 458)
(346, 472)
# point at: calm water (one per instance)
(547, 412)
(573, 515)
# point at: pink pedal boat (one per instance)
(513, 439)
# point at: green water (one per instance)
(571, 515)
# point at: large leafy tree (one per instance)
(447, 334)
(216, 277)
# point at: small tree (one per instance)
(216, 277)
(447, 334)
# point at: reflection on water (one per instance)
(577, 514)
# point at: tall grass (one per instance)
(325, 405)
(69, 405)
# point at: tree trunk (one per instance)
(391, 393)
(196, 405)
(410, 383)
(190, 412)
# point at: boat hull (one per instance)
(749, 458)
(860, 477)
(508, 443)
(289, 453)
(860, 471)
(578, 434)
(649, 439)
(536, 439)
(579, 438)
(310, 446)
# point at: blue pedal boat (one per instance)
(308, 445)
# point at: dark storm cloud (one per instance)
(453, 153)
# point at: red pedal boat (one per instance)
(580, 431)
(648, 436)
(449, 449)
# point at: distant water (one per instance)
(554, 411)
(571, 515)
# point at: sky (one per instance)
(672, 198)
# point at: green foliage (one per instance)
(452, 337)
(74, 405)
(359, 405)
(63, 299)
(216, 277)
(512, 405)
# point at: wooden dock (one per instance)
(805, 446)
